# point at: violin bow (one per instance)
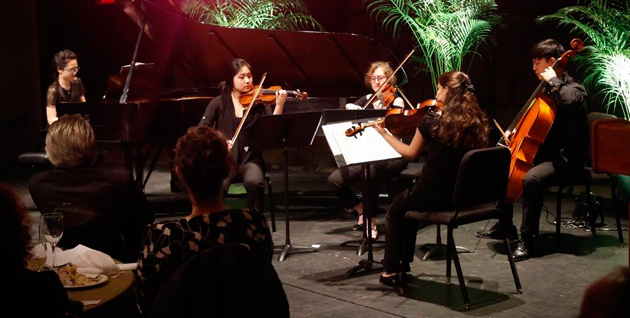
(404, 97)
(251, 104)
(380, 89)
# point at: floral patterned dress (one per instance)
(168, 244)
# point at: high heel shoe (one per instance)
(359, 226)
(392, 281)
(374, 230)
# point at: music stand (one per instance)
(284, 131)
(364, 150)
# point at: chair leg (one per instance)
(448, 258)
(617, 211)
(592, 221)
(460, 275)
(558, 215)
(272, 209)
(517, 280)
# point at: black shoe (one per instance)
(393, 281)
(358, 227)
(523, 251)
(496, 233)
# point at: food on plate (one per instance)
(69, 277)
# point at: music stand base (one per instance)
(439, 249)
(290, 249)
(362, 245)
(366, 266)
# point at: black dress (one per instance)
(432, 190)
(220, 115)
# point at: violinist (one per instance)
(225, 113)
(446, 135)
(375, 77)
(340, 180)
(561, 154)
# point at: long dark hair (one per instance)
(232, 70)
(463, 124)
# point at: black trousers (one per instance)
(253, 177)
(537, 179)
(400, 240)
(340, 181)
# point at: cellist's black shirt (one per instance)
(568, 136)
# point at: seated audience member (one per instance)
(26, 293)
(608, 296)
(108, 210)
(202, 162)
(228, 280)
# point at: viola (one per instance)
(530, 127)
(400, 122)
(267, 96)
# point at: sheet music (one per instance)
(367, 147)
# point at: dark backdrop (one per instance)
(103, 36)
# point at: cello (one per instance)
(530, 127)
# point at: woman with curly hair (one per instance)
(202, 162)
(446, 135)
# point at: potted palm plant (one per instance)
(252, 14)
(445, 31)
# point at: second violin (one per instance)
(267, 96)
(400, 122)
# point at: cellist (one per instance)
(562, 153)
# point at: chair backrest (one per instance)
(610, 146)
(229, 280)
(591, 118)
(482, 177)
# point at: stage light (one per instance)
(105, 2)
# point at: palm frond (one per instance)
(445, 30)
(254, 14)
(606, 60)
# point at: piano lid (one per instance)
(320, 63)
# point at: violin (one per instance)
(400, 122)
(530, 127)
(267, 96)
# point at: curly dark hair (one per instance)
(15, 236)
(463, 124)
(202, 162)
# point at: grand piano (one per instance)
(155, 104)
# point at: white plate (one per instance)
(101, 279)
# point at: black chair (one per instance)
(585, 177)
(229, 280)
(480, 187)
(272, 209)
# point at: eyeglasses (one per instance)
(73, 70)
(377, 78)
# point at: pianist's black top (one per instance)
(220, 115)
(57, 94)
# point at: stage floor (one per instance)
(553, 283)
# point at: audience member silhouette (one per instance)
(607, 297)
(19, 283)
(108, 212)
(202, 162)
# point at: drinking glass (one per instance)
(51, 229)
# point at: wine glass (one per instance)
(38, 258)
(51, 229)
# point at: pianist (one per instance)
(67, 87)
(225, 113)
